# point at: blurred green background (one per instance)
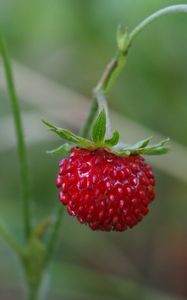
(70, 42)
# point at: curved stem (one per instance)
(20, 137)
(118, 62)
(9, 239)
(180, 8)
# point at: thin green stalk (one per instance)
(106, 81)
(33, 294)
(9, 239)
(20, 137)
(54, 233)
(118, 62)
(173, 9)
(111, 72)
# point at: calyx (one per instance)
(98, 140)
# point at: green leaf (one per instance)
(113, 140)
(63, 149)
(99, 128)
(69, 136)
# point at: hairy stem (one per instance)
(20, 137)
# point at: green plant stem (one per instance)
(104, 85)
(173, 9)
(20, 137)
(33, 294)
(118, 62)
(54, 233)
(112, 72)
(9, 239)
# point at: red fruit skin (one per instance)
(105, 191)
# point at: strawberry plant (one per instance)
(103, 181)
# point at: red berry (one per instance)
(105, 191)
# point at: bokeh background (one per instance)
(59, 49)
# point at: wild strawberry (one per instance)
(105, 191)
(103, 183)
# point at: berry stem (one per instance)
(9, 239)
(22, 153)
(111, 72)
(118, 62)
(173, 9)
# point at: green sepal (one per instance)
(99, 128)
(69, 136)
(158, 149)
(155, 151)
(113, 140)
(63, 149)
(98, 134)
(140, 144)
